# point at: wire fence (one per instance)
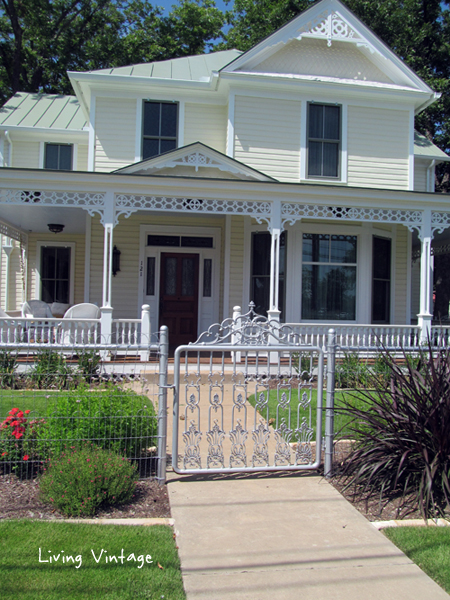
(54, 398)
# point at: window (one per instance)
(160, 128)
(329, 277)
(55, 274)
(260, 279)
(381, 280)
(324, 139)
(58, 156)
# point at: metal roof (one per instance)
(423, 148)
(187, 68)
(43, 110)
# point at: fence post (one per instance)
(162, 403)
(145, 331)
(329, 409)
(106, 329)
(235, 338)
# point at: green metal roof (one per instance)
(187, 68)
(423, 148)
(43, 110)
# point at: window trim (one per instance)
(44, 154)
(50, 243)
(142, 136)
(343, 153)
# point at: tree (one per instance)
(40, 40)
(417, 30)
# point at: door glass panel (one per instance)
(170, 286)
(187, 277)
(150, 276)
(207, 277)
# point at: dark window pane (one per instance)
(62, 263)
(343, 249)
(152, 111)
(187, 277)
(170, 276)
(382, 258)
(51, 156)
(260, 294)
(150, 291)
(260, 283)
(150, 148)
(196, 242)
(47, 291)
(261, 253)
(381, 301)
(163, 240)
(65, 157)
(328, 293)
(48, 262)
(330, 159)
(169, 120)
(315, 158)
(316, 121)
(62, 292)
(207, 277)
(167, 145)
(331, 125)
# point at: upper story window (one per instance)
(324, 140)
(160, 128)
(58, 156)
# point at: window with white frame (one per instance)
(160, 125)
(329, 277)
(59, 157)
(324, 140)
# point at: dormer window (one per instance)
(324, 140)
(59, 157)
(160, 120)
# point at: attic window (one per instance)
(324, 140)
(58, 156)
(160, 124)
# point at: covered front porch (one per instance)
(183, 251)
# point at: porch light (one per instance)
(55, 227)
(115, 261)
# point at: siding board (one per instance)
(115, 133)
(207, 124)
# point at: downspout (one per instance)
(7, 249)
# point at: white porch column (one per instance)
(7, 249)
(426, 278)
(275, 230)
(106, 308)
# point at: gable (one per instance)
(196, 160)
(312, 57)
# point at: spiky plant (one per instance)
(402, 433)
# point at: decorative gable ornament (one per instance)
(198, 159)
(332, 26)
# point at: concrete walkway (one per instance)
(285, 537)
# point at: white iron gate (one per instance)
(249, 397)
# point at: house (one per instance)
(290, 175)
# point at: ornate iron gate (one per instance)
(248, 396)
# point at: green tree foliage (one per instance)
(417, 30)
(40, 40)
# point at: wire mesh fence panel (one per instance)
(59, 397)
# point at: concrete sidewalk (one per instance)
(270, 537)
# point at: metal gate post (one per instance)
(329, 409)
(162, 403)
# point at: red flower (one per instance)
(27, 412)
(3, 453)
(26, 457)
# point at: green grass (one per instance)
(428, 547)
(23, 576)
(341, 421)
(40, 402)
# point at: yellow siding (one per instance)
(236, 262)
(79, 241)
(378, 148)
(82, 160)
(415, 290)
(125, 286)
(267, 136)
(115, 133)
(26, 155)
(207, 124)
(401, 276)
(420, 177)
(315, 57)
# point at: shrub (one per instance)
(82, 479)
(8, 366)
(18, 441)
(351, 372)
(89, 364)
(51, 371)
(402, 436)
(114, 419)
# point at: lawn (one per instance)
(341, 420)
(428, 547)
(40, 402)
(24, 545)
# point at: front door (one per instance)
(178, 301)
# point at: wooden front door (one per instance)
(178, 302)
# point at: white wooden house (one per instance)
(290, 175)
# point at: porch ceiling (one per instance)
(35, 219)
